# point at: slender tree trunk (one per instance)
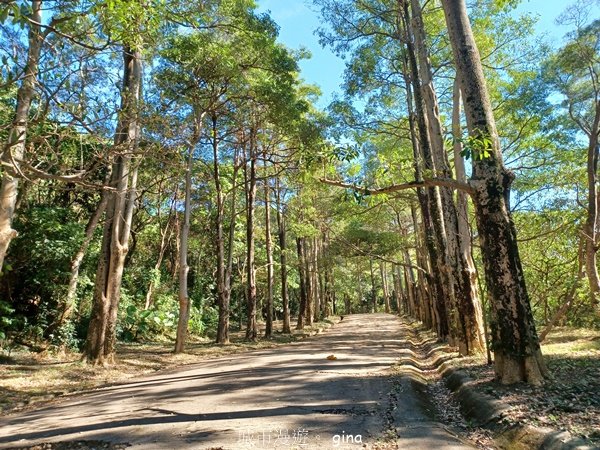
(469, 305)
(399, 296)
(436, 236)
(310, 287)
(315, 279)
(384, 284)
(269, 251)
(433, 306)
(303, 287)
(360, 288)
(281, 225)
(223, 327)
(424, 305)
(373, 288)
(101, 338)
(250, 171)
(516, 347)
(14, 151)
(184, 268)
(222, 294)
(165, 236)
(69, 303)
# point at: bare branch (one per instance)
(430, 182)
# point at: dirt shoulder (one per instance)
(568, 400)
(29, 379)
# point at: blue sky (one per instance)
(298, 22)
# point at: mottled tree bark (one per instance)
(471, 310)
(14, 150)
(517, 351)
(464, 309)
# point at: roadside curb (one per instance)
(488, 413)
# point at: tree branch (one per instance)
(430, 182)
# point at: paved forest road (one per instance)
(285, 398)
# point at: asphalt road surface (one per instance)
(290, 397)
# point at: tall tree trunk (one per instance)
(222, 289)
(433, 305)
(516, 347)
(101, 338)
(250, 175)
(471, 311)
(14, 151)
(281, 226)
(465, 310)
(269, 251)
(593, 216)
(430, 199)
(303, 278)
(184, 268)
(224, 317)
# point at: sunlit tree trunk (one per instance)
(516, 348)
(101, 338)
(470, 309)
(14, 150)
(436, 236)
(464, 310)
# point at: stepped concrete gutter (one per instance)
(489, 413)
